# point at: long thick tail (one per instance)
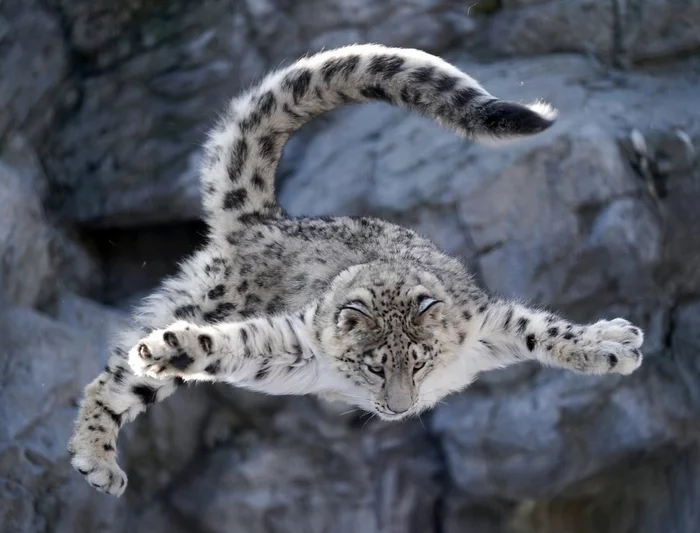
(241, 156)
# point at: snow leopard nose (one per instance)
(399, 407)
(399, 395)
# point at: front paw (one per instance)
(612, 346)
(178, 351)
(102, 474)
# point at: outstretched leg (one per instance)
(506, 333)
(271, 354)
(115, 397)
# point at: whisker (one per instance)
(372, 415)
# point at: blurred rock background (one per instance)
(103, 107)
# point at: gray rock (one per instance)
(328, 476)
(37, 258)
(24, 241)
(622, 32)
(620, 500)
(558, 26)
(33, 77)
(45, 365)
(657, 29)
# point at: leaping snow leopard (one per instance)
(350, 308)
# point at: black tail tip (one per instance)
(505, 119)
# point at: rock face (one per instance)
(104, 107)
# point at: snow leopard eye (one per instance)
(358, 306)
(418, 365)
(376, 369)
(354, 314)
(426, 303)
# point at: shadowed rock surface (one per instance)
(104, 106)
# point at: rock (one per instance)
(558, 26)
(658, 29)
(33, 81)
(622, 32)
(46, 365)
(24, 241)
(620, 499)
(38, 259)
(327, 476)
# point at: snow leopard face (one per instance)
(388, 330)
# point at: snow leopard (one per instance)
(349, 308)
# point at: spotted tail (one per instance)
(242, 153)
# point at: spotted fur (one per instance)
(352, 308)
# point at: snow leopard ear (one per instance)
(428, 309)
(354, 315)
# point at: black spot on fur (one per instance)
(509, 316)
(116, 418)
(267, 104)
(340, 65)
(444, 83)
(145, 393)
(251, 218)
(375, 92)
(186, 311)
(181, 361)
(482, 308)
(568, 336)
(235, 199)
(298, 82)
(422, 74)
(553, 332)
(108, 447)
(213, 368)
(262, 373)
(238, 157)
(466, 315)
(612, 360)
(464, 96)
(206, 343)
(234, 238)
(252, 301)
(243, 287)
(268, 146)
(257, 181)
(217, 292)
(387, 66)
(222, 311)
(118, 374)
(530, 341)
(250, 122)
(274, 306)
(522, 324)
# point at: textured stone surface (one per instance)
(37, 259)
(45, 365)
(325, 477)
(104, 107)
